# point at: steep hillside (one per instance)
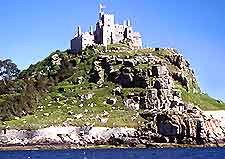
(105, 88)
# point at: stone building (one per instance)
(106, 32)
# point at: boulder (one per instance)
(55, 59)
(178, 127)
(132, 104)
(78, 116)
(119, 61)
(159, 71)
(46, 114)
(129, 62)
(168, 129)
(125, 80)
(117, 91)
(87, 96)
(111, 101)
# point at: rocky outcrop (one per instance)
(154, 78)
(168, 117)
(178, 60)
(182, 127)
(98, 73)
(81, 136)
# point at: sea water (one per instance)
(152, 153)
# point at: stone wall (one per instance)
(76, 44)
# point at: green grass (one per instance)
(126, 91)
(117, 45)
(131, 52)
(162, 54)
(143, 66)
(203, 101)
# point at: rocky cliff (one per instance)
(157, 72)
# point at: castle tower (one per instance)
(91, 30)
(101, 13)
(128, 23)
(78, 31)
(104, 28)
(108, 29)
(128, 34)
(124, 23)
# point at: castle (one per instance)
(106, 32)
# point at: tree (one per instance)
(8, 70)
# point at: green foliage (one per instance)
(56, 67)
(8, 74)
(8, 70)
(143, 66)
(19, 104)
(34, 82)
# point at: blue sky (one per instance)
(30, 30)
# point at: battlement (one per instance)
(106, 32)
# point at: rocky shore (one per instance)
(166, 134)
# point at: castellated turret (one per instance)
(106, 32)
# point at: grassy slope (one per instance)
(56, 106)
(201, 100)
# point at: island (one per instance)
(107, 91)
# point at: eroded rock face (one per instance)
(169, 118)
(181, 78)
(183, 127)
(148, 72)
(178, 60)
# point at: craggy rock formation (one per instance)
(150, 73)
(186, 127)
(169, 118)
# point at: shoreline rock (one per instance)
(75, 137)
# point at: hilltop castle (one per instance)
(107, 32)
